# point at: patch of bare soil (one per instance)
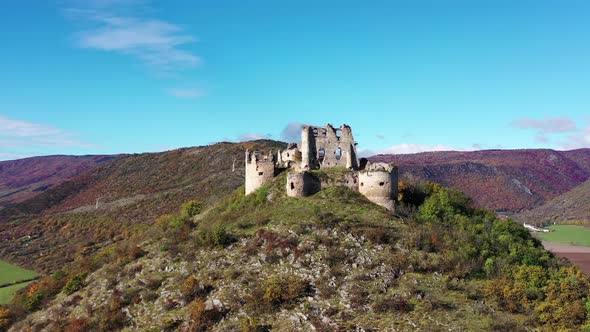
(578, 255)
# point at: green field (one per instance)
(570, 234)
(6, 293)
(11, 274)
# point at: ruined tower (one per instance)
(378, 182)
(259, 170)
(321, 148)
(326, 147)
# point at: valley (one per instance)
(13, 278)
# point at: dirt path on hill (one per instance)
(578, 255)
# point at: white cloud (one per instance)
(13, 155)
(190, 93)
(406, 148)
(17, 128)
(292, 132)
(23, 135)
(577, 141)
(252, 137)
(156, 43)
(559, 124)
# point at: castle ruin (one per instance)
(323, 148)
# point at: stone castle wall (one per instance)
(326, 147)
(259, 170)
(321, 148)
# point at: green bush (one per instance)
(191, 208)
(216, 237)
(75, 283)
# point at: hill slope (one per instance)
(574, 205)
(132, 191)
(501, 180)
(25, 178)
(330, 262)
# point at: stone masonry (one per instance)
(322, 148)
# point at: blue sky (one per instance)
(111, 76)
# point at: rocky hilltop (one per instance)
(332, 261)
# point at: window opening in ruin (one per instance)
(338, 133)
(362, 184)
(260, 173)
(321, 154)
(338, 153)
(324, 132)
(292, 186)
(382, 183)
(315, 132)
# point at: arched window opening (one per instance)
(321, 154)
(315, 132)
(362, 184)
(338, 133)
(381, 184)
(338, 153)
(260, 173)
(292, 186)
(324, 132)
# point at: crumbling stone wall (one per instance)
(290, 158)
(326, 147)
(259, 170)
(302, 184)
(378, 182)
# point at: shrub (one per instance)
(190, 287)
(6, 318)
(75, 283)
(217, 237)
(191, 208)
(283, 289)
(201, 318)
(136, 252)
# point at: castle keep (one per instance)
(323, 148)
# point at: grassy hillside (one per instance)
(332, 261)
(570, 234)
(54, 227)
(501, 180)
(569, 207)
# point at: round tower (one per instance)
(378, 182)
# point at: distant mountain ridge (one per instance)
(501, 180)
(25, 178)
(573, 205)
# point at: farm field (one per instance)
(570, 234)
(6, 293)
(10, 276)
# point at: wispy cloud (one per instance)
(19, 136)
(407, 148)
(559, 124)
(252, 137)
(156, 43)
(577, 137)
(577, 141)
(292, 132)
(17, 128)
(189, 93)
(13, 155)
